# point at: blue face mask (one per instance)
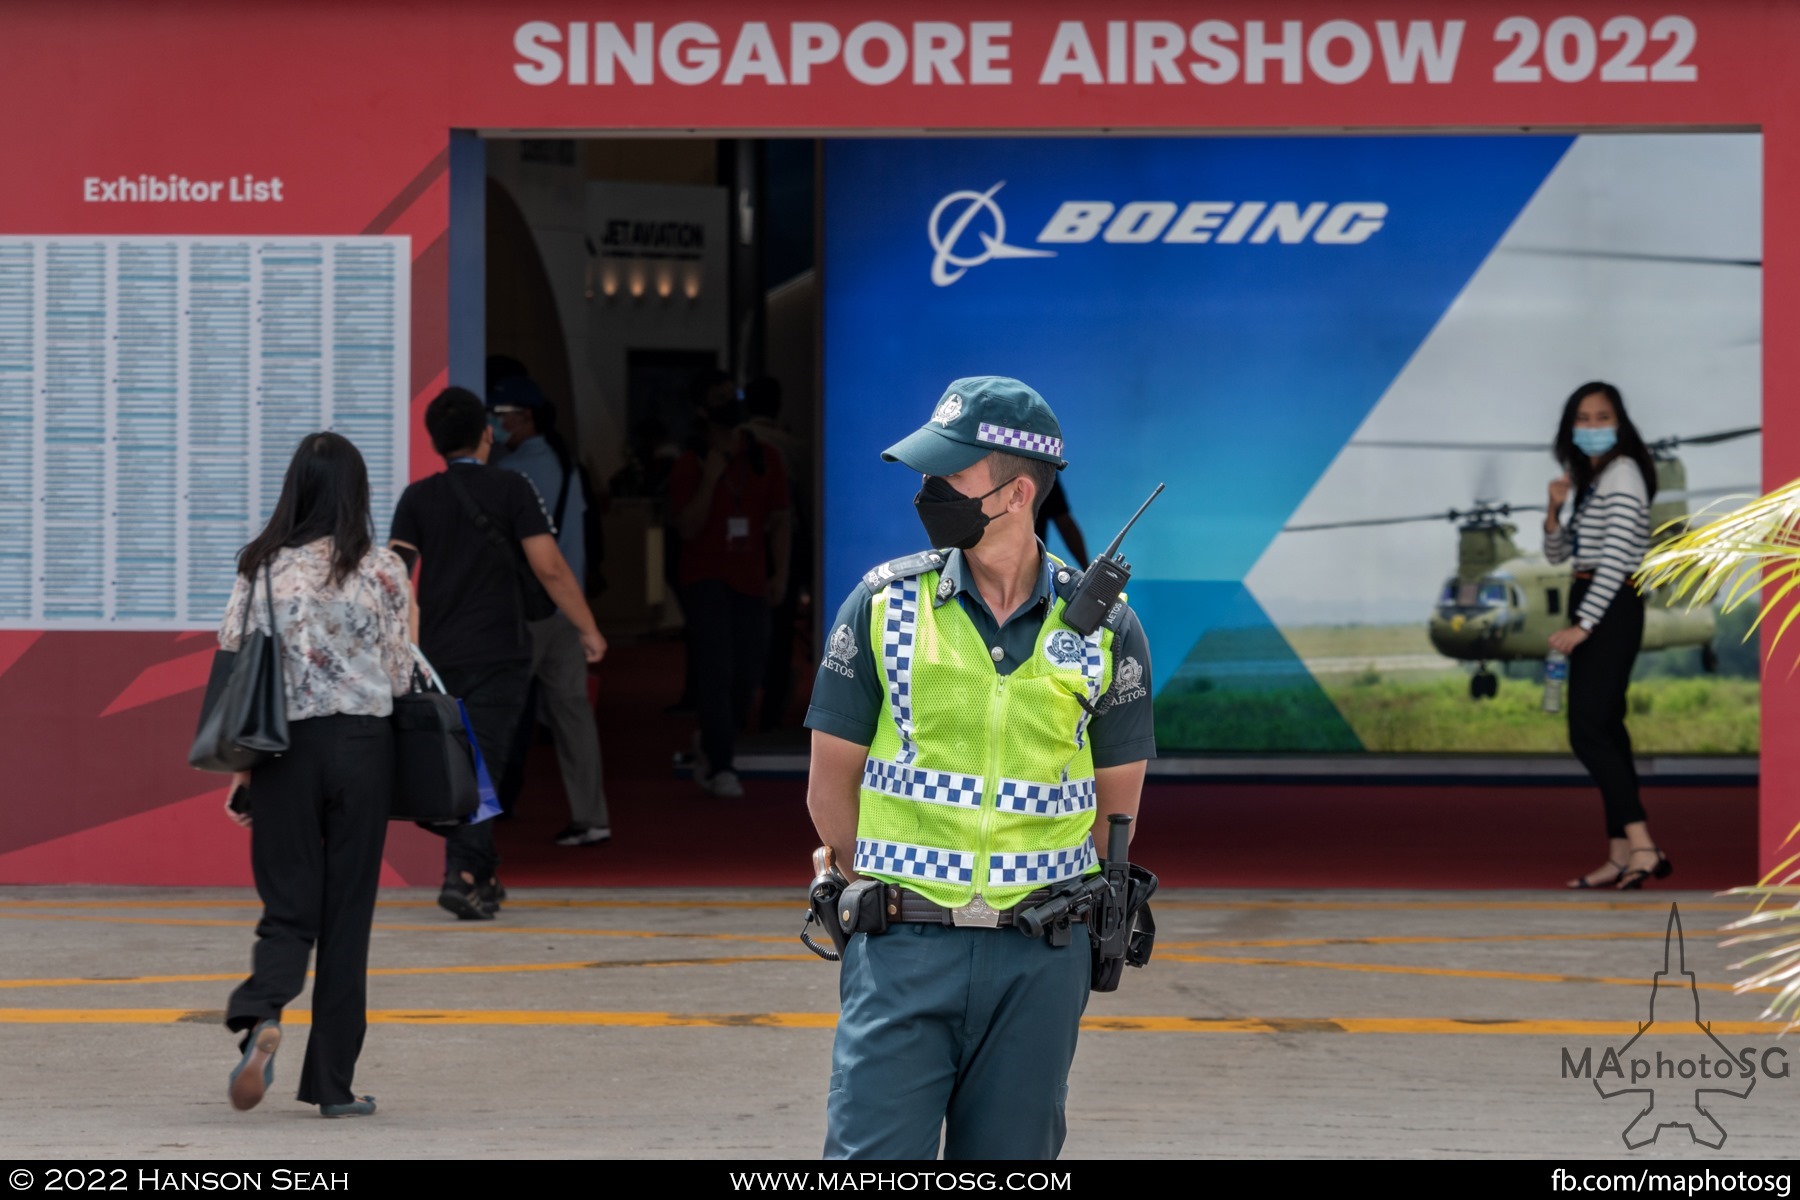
(1594, 441)
(499, 428)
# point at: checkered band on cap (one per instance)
(927, 787)
(917, 862)
(899, 631)
(1046, 799)
(1051, 866)
(1019, 439)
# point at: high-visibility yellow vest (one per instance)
(977, 783)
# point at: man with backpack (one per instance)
(488, 565)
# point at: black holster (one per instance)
(822, 909)
(1126, 936)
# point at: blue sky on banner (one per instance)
(1217, 313)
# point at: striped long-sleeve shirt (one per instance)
(1607, 534)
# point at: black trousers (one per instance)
(1599, 673)
(728, 633)
(494, 694)
(318, 822)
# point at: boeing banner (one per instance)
(1271, 326)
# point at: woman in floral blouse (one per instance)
(318, 813)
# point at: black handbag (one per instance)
(534, 601)
(243, 717)
(434, 763)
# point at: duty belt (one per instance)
(908, 907)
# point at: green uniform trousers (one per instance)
(963, 1033)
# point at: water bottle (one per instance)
(1556, 674)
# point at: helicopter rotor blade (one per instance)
(1668, 443)
(1709, 439)
(1746, 490)
(1695, 260)
(1487, 476)
(1481, 510)
(1383, 444)
(1438, 516)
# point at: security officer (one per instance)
(965, 741)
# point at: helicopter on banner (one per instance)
(1502, 604)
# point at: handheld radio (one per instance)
(1105, 579)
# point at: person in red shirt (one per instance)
(732, 511)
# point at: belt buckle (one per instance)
(976, 914)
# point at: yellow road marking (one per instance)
(253, 902)
(1441, 972)
(1169, 903)
(1438, 1026)
(459, 927)
(477, 969)
(1456, 905)
(1404, 940)
(733, 960)
(1453, 1026)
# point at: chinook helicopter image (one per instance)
(1502, 604)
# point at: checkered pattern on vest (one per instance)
(896, 658)
(931, 787)
(1046, 799)
(919, 862)
(1010, 870)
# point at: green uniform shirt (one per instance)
(846, 699)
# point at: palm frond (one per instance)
(1774, 969)
(1749, 550)
(1749, 553)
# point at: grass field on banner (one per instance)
(1385, 689)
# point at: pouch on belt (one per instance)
(863, 907)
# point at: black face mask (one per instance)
(951, 519)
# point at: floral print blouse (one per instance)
(343, 649)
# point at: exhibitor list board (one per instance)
(152, 390)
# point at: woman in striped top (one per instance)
(1611, 475)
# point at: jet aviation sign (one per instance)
(967, 228)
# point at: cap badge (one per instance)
(948, 409)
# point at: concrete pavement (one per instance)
(683, 1024)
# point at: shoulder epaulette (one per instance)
(903, 568)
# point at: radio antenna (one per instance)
(1112, 551)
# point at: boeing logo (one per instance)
(993, 244)
(1222, 222)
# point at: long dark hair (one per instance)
(1582, 471)
(325, 494)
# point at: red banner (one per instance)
(296, 118)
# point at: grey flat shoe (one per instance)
(256, 1070)
(362, 1106)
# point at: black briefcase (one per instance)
(434, 766)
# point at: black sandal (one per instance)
(1581, 884)
(1633, 879)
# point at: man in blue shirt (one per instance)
(524, 421)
